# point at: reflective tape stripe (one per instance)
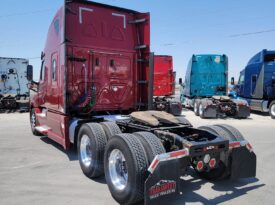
(241, 144)
(179, 153)
(166, 157)
(234, 144)
(249, 147)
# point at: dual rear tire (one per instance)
(138, 151)
(124, 158)
(227, 132)
(196, 108)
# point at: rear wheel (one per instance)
(218, 131)
(221, 171)
(196, 108)
(272, 109)
(33, 122)
(90, 148)
(126, 166)
(110, 129)
(151, 144)
(235, 134)
(201, 111)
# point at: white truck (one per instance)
(14, 91)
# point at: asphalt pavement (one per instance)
(36, 170)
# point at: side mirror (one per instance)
(33, 86)
(180, 81)
(232, 81)
(29, 72)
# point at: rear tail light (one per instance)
(212, 163)
(199, 165)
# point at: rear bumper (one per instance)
(164, 184)
(210, 111)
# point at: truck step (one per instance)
(43, 129)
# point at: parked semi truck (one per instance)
(164, 85)
(257, 82)
(205, 88)
(14, 92)
(94, 94)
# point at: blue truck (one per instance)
(205, 88)
(257, 82)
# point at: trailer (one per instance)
(257, 83)
(205, 89)
(95, 94)
(164, 85)
(14, 92)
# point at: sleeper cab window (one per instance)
(56, 26)
(54, 70)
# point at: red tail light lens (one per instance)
(212, 163)
(199, 165)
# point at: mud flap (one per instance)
(243, 112)
(243, 164)
(164, 184)
(175, 108)
(210, 112)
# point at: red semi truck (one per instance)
(164, 76)
(164, 85)
(94, 93)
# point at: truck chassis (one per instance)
(220, 106)
(136, 153)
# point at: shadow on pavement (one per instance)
(229, 190)
(264, 114)
(71, 153)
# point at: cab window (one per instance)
(54, 70)
(241, 79)
(42, 73)
(269, 58)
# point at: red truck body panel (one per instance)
(91, 64)
(164, 77)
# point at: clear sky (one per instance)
(237, 28)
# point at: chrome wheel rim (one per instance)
(195, 108)
(201, 110)
(273, 110)
(118, 170)
(33, 120)
(85, 150)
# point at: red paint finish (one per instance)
(164, 77)
(91, 56)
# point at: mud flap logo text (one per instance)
(162, 188)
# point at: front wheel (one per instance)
(33, 122)
(272, 109)
(125, 165)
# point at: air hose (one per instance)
(90, 99)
